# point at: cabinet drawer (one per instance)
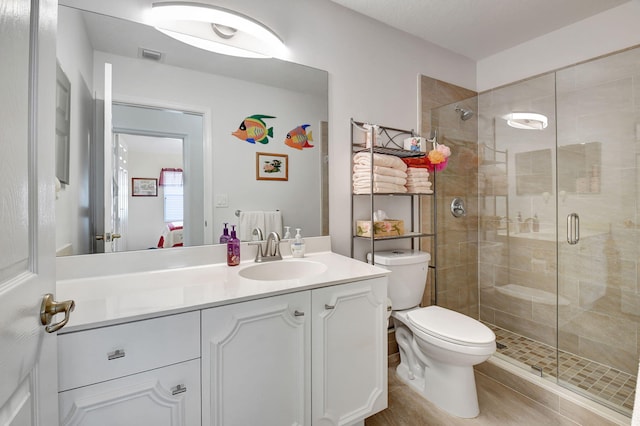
(168, 396)
(101, 354)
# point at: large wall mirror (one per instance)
(155, 76)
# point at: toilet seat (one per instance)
(450, 326)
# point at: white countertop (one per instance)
(113, 299)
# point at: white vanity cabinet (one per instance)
(255, 362)
(140, 373)
(314, 357)
(349, 347)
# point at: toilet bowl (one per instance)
(438, 346)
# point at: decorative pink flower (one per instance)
(444, 150)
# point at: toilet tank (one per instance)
(408, 275)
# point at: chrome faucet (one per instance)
(257, 232)
(272, 250)
(273, 246)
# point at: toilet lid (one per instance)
(451, 326)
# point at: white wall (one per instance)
(598, 35)
(72, 206)
(373, 73)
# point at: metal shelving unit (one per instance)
(389, 141)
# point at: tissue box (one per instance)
(382, 228)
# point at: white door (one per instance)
(28, 355)
(111, 186)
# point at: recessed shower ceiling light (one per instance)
(216, 29)
(526, 120)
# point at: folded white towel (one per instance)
(366, 177)
(247, 222)
(379, 187)
(419, 190)
(380, 160)
(367, 184)
(418, 180)
(380, 170)
(417, 172)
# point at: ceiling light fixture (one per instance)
(527, 120)
(216, 29)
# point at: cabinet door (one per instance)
(349, 352)
(168, 396)
(255, 362)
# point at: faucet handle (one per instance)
(259, 254)
(257, 232)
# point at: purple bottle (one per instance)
(225, 234)
(233, 249)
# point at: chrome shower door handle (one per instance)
(573, 228)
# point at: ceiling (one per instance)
(479, 28)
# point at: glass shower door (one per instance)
(598, 147)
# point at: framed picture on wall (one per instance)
(144, 187)
(270, 166)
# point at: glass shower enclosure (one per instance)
(559, 225)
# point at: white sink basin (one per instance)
(280, 270)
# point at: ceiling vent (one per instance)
(153, 55)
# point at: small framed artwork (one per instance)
(144, 187)
(270, 166)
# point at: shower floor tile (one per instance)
(612, 387)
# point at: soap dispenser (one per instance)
(287, 233)
(233, 248)
(225, 234)
(297, 245)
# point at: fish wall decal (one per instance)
(298, 138)
(253, 129)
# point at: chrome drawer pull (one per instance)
(119, 353)
(329, 306)
(298, 314)
(178, 389)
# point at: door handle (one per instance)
(573, 228)
(108, 237)
(49, 308)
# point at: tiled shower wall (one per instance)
(457, 254)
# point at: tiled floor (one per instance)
(612, 387)
(499, 405)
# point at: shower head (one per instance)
(465, 114)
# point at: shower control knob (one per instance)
(457, 208)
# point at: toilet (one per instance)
(438, 346)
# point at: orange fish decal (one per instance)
(298, 138)
(253, 129)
